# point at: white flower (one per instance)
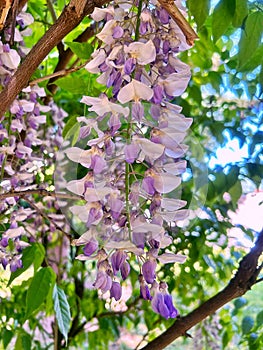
(149, 148)
(99, 57)
(102, 105)
(165, 183)
(99, 14)
(135, 91)
(10, 59)
(171, 204)
(143, 52)
(106, 34)
(166, 258)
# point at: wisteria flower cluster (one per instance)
(134, 144)
(27, 146)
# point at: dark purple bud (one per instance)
(115, 291)
(13, 266)
(122, 221)
(129, 65)
(125, 270)
(148, 185)
(144, 289)
(154, 244)
(157, 43)
(157, 94)
(4, 262)
(166, 47)
(117, 32)
(19, 264)
(4, 242)
(111, 78)
(117, 259)
(90, 247)
(138, 239)
(148, 270)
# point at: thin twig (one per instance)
(60, 73)
(40, 212)
(177, 16)
(51, 10)
(40, 191)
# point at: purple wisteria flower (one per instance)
(134, 143)
(162, 302)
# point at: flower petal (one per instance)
(166, 258)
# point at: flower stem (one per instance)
(138, 21)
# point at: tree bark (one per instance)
(71, 16)
(244, 279)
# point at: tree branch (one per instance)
(71, 16)
(244, 279)
(176, 15)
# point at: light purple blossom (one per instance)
(162, 301)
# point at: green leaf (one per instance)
(38, 289)
(31, 255)
(253, 61)
(260, 319)
(250, 37)
(235, 192)
(247, 324)
(222, 17)
(70, 123)
(241, 12)
(7, 335)
(82, 50)
(62, 310)
(23, 341)
(73, 134)
(200, 10)
(73, 84)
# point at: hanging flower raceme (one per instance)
(26, 148)
(133, 163)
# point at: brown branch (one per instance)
(57, 74)
(71, 16)
(244, 279)
(177, 16)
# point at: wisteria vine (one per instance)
(133, 145)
